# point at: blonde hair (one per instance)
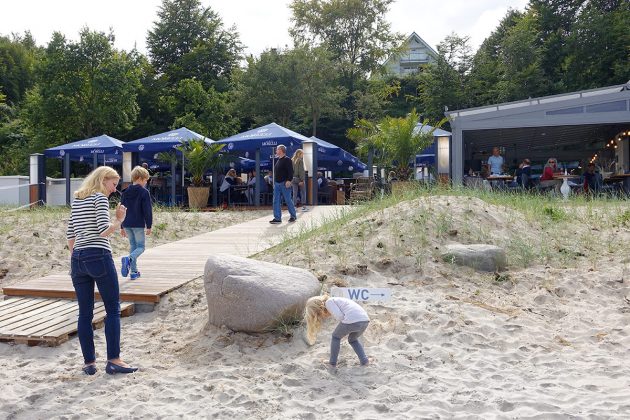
(94, 182)
(299, 153)
(314, 311)
(139, 173)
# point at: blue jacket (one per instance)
(138, 202)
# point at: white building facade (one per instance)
(416, 53)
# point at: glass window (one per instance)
(574, 110)
(607, 107)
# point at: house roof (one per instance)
(419, 39)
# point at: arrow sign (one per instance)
(362, 294)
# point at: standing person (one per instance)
(299, 176)
(495, 162)
(92, 263)
(353, 321)
(282, 182)
(137, 200)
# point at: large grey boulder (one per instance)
(255, 296)
(478, 256)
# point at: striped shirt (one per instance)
(89, 217)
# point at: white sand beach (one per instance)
(548, 338)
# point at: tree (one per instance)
(269, 89)
(445, 83)
(520, 62)
(189, 41)
(554, 21)
(487, 84)
(354, 31)
(17, 67)
(84, 89)
(316, 74)
(204, 111)
(598, 48)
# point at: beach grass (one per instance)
(563, 230)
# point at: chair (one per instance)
(363, 189)
(324, 195)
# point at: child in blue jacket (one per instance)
(139, 216)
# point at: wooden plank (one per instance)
(19, 307)
(53, 326)
(27, 320)
(42, 306)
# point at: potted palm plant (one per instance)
(395, 141)
(199, 157)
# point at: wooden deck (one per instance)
(37, 321)
(169, 266)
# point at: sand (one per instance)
(548, 339)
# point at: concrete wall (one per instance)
(56, 190)
(14, 190)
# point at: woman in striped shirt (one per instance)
(92, 263)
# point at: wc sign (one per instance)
(363, 294)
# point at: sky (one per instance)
(262, 24)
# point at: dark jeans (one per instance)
(95, 266)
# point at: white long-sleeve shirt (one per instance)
(345, 310)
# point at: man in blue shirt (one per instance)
(495, 162)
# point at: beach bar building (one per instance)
(576, 126)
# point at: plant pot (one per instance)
(198, 197)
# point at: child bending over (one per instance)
(353, 321)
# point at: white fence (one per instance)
(14, 190)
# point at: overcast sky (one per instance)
(261, 23)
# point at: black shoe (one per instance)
(292, 219)
(90, 370)
(112, 368)
(276, 221)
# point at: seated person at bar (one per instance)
(322, 182)
(591, 179)
(547, 180)
(495, 162)
(269, 179)
(251, 186)
(228, 181)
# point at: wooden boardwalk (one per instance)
(169, 266)
(50, 322)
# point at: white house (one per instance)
(417, 53)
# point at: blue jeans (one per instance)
(91, 266)
(353, 331)
(279, 191)
(301, 189)
(136, 246)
